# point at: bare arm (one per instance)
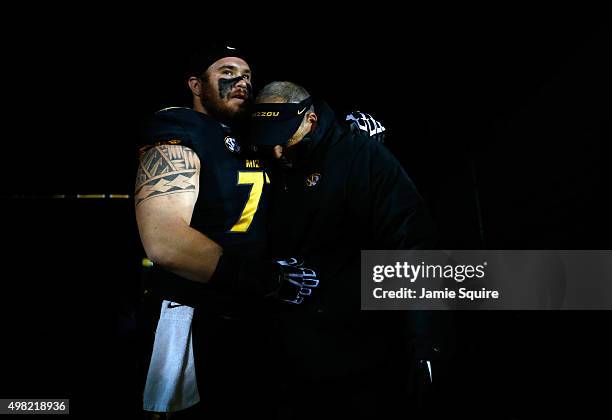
(166, 193)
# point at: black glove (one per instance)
(362, 123)
(286, 280)
(296, 281)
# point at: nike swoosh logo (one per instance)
(174, 305)
(300, 112)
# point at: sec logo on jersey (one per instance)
(231, 144)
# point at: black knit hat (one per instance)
(203, 58)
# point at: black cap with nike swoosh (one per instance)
(207, 55)
(275, 123)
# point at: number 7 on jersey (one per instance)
(256, 179)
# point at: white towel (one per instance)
(171, 381)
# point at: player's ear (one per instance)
(195, 84)
(312, 117)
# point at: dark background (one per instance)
(507, 113)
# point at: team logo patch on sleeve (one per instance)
(231, 144)
(172, 142)
(313, 179)
(144, 149)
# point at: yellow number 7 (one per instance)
(256, 179)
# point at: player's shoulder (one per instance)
(186, 118)
(175, 115)
(176, 125)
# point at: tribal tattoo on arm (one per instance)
(166, 169)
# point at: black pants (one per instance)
(235, 367)
(378, 394)
(243, 372)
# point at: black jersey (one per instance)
(231, 203)
(232, 190)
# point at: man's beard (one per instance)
(216, 107)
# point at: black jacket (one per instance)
(345, 193)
